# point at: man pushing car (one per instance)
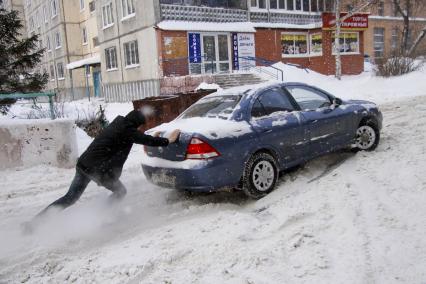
(104, 159)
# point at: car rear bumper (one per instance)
(211, 176)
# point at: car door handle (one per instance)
(267, 131)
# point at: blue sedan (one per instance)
(242, 138)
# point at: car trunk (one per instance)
(173, 152)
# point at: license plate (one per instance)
(163, 178)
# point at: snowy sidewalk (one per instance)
(364, 221)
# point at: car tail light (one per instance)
(198, 149)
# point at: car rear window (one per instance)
(215, 107)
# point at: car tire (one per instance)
(367, 136)
(260, 175)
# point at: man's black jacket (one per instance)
(104, 158)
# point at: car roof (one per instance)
(253, 89)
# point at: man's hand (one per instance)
(174, 136)
(156, 134)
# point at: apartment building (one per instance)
(383, 36)
(16, 5)
(144, 42)
(68, 32)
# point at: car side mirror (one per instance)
(337, 102)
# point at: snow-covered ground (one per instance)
(342, 218)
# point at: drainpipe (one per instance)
(119, 42)
(67, 48)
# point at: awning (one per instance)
(94, 60)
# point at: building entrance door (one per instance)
(216, 53)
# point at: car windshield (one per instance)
(217, 107)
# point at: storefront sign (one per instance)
(194, 44)
(356, 22)
(243, 49)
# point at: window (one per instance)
(294, 44)
(54, 6)
(395, 38)
(48, 44)
(37, 19)
(128, 8)
(45, 15)
(52, 73)
(111, 58)
(217, 107)
(261, 4)
(271, 101)
(131, 53)
(316, 44)
(60, 70)
(31, 23)
(95, 41)
(57, 40)
(349, 42)
(81, 5)
(309, 99)
(107, 17)
(84, 35)
(381, 8)
(379, 42)
(92, 6)
(290, 5)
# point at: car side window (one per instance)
(271, 101)
(309, 99)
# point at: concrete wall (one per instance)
(27, 143)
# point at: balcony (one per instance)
(204, 10)
(223, 11)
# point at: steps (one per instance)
(227, 81)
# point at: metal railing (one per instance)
(206, 65)
(16, 96)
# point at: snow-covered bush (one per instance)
(397, 65)
(92, 122)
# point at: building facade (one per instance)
(384, 35)
(144, 42)
(68, 34)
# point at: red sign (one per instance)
(356, 22)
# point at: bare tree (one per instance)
(406, 9)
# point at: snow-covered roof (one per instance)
(287, 26)
(245, 27)
(96, 59)
(248, 27)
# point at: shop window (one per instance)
(316, 44)
(349, 42)
(131, 53)
(294, 44)
(111, 58)
(379, 42)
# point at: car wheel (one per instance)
(367, 136)
(260, 175)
